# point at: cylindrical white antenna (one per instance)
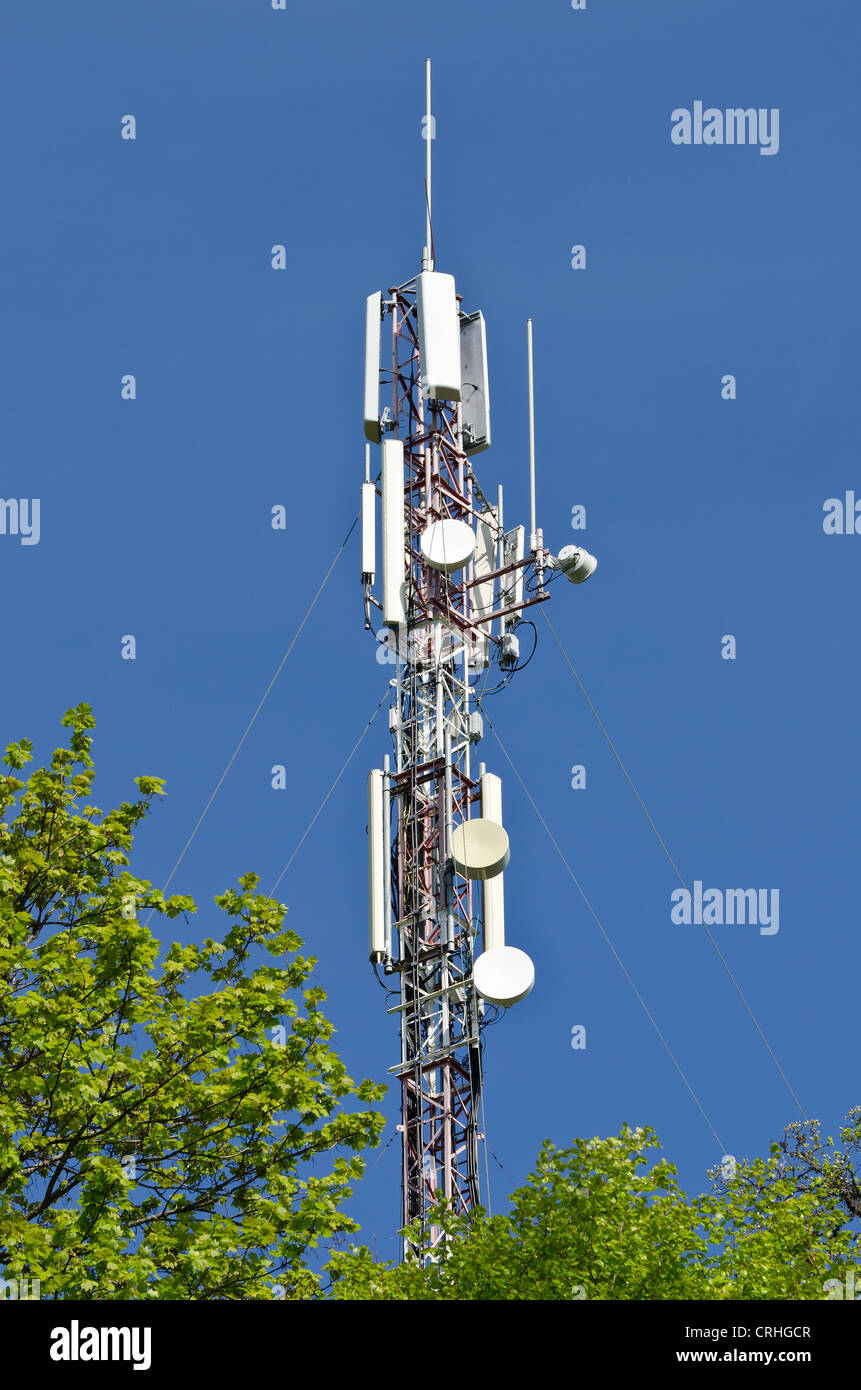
(494, 893)
(369, 539)
(531, 436)
(377, 867)
(428, 141)
(387, 856)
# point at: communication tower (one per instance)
(451, 590)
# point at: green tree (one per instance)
(159, 1122)
(596, 1222)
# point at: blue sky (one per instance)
(152, 257)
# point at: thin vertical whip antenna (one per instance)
(531, 436)
(428, 139)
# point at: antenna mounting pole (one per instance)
(428, 140)
(532, 535)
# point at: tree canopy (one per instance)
(173, 1123)
(595, 1221)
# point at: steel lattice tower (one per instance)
(449, 618)
(433, 786)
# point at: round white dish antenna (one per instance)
(503, 975)
(479, 848)
(448, 545)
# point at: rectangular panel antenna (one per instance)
(373, 328)
(475, 390)
(483, 593)
(369, 543)
(513, 547)
(394, 534)
(376, 867)
(439, 336)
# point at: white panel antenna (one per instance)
(513, 547)
(373, 332)
(394, 534)
(376, 867)
(369, 523)
(483, 592)
(475, 387)
(439, 336)
(369, 508)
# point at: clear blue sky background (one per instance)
(302, 127)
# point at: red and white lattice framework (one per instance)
(443, 652)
